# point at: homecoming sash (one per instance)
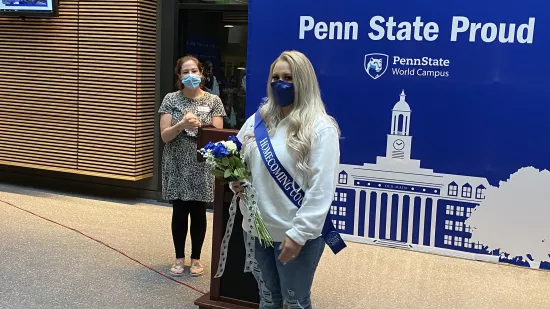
(286, 182)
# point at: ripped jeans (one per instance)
(288, 284)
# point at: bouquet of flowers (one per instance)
(225, 160)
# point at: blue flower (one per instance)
(235, 140)
(219, 151)
(209, 146)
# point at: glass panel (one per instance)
(219, 40)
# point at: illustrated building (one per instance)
(398, 202)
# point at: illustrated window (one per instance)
(343, 178)
(467, 191)
(342, 211)
(453, 189)
(458, 241)
(343, 197)
(341, 225)
(480, 193)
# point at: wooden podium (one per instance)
(235, 289)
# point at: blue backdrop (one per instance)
(488, 118)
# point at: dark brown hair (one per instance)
(179, 65)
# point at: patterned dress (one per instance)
(183, 178)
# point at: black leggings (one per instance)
(180, 215)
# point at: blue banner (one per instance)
(468, 82)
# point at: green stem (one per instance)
(264, 237)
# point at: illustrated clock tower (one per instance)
(399, 140)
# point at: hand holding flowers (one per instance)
(225, 159)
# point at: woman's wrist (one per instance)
(296, 236)
(179, 127)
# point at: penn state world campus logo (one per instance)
(376, 64)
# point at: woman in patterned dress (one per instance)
(186, 183)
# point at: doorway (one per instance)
(218, 37)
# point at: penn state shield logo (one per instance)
(376, 64)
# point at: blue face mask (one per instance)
(283, 93)
(191, 81)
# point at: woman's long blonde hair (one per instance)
(308, 108)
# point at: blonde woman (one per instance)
(291, 137)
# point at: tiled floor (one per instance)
(43, 265)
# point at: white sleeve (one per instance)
(245, 128)
(324, 160)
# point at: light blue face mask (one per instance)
(191, 81)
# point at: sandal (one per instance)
(177, 270)
(197, 269)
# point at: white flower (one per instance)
(230, 146)
(208, 155)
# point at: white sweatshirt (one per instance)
(281, 216)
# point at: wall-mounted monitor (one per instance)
(46, 8)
